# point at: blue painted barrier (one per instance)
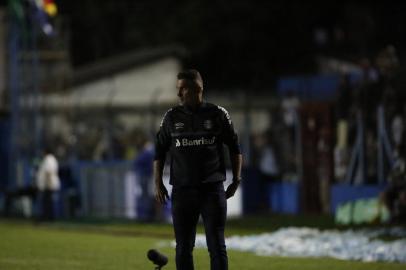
(341, 193)
(253, 191)
(321, 87)
(317, 87)
(280, 197)
(285, 197)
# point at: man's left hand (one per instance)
(232, 188)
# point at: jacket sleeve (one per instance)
(163, 139)
(230, 137)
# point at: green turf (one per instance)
(245, 226)
(253, 224)
(24, 245)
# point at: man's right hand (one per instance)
(161, 193)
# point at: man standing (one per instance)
(143, 171)
(48, 184)
(194, 133)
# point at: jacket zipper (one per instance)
(193, 122)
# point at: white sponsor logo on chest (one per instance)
(179, 125)
(196, 142)
(208, 124)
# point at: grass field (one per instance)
(123, 245)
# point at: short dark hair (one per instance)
(48, 149)
(191, 74)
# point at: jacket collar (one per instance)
(190, 110)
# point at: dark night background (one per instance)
(235, 43)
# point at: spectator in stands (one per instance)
(397, 130)
(48, 185)
(269, 166)
(289, 106)
(341, 151)
(371, 148)
(143, 171)
(394, 196)
(265, 160)
(11, 196)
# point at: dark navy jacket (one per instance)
(195, 141)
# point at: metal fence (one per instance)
(107, 189)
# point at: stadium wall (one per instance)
(4, 152)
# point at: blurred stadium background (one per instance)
(316, 92)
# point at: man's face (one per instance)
(189, 92)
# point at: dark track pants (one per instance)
(188, 203)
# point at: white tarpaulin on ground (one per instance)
(360, 245)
